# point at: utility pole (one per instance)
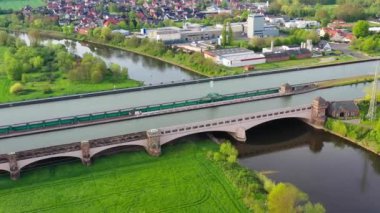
(372, 104)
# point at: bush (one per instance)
(47, 90)
(16, 89)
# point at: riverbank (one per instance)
(267, 67)
(354, 142)
(362, 135)
(344, 81)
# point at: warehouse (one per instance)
(235, 57)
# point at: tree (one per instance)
(34, 36)
(349, 12)
(322, 16)
(230, 34)
(68, 29)
(361, 29)
(12, 67)
(3, 37)
(285, 198)
(224, 35)
(310, 208)
(96, 77)
(105, 33)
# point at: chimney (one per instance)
(271, 46)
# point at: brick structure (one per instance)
(285, 89)
(14, 170)
(153, 142)
(86, 156)
(318, 113)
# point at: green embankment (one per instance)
(304, 62)
(60, 87)
(19, 4)
(363, 132)
(181, 180)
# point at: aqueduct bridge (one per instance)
(152, 132)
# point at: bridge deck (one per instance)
(143, 124)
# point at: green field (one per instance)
(181, 180)
(19, 4)
(304, 62)
(61, 86)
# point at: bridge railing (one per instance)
(128, 112)
(235, 119)
(132, 112)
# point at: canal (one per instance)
(341, 176)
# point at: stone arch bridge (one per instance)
(152, 139)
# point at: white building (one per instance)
(165, 34)
(243, 59)
(235, 57)
(301, 24)
(374, 29)
(256, 27)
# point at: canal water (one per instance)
(341, 176)
(141, 68)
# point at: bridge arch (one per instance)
(169, 138)
(96, 150)
(302, 118)
(4, 168)
(116, 149)
(27, 162)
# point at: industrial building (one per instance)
(235, 57)
(194, 32)
(256, 27)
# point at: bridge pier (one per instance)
(153, 142)
(86, 156)
(13, 166)
(239, 134)
(318, 112)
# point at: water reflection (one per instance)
(332, 171)
(142, 68)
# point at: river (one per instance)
(141, 68)
(341, 176)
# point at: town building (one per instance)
(235, 57)
(301, 24)
(324, 46)
(343, 110)
(374, 29)
(256, 27)
(336, 35)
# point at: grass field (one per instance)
(60, 87)
(19, 4)
(181, 180)
(304, 62)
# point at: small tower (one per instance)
(318, 113)
(372, 104)
(285, 89)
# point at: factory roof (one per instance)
(221, 52)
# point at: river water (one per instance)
(141, 68)
(341, 176)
